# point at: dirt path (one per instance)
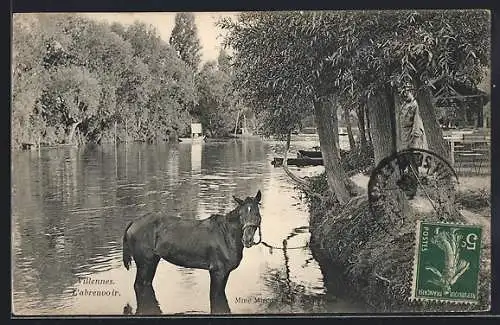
(361, 180)
(466, 184)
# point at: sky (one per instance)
(208, 33)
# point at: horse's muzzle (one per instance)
(249, 234)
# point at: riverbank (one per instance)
(34, 147)
(377, 266)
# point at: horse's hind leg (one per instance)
(143, 285)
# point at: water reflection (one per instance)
(196, 150)
(70, 207)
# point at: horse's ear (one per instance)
(240, 201)
(258, 197)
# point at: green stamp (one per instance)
(447, 262)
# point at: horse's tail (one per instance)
(127, 256)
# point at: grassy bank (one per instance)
(375, 265)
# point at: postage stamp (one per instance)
(447, 262)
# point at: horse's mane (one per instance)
(231, 215)
(222, 219)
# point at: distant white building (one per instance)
(196, 130)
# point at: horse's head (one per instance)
(249, 214)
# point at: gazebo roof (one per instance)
(447, 89)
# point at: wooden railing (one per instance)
(470, 150)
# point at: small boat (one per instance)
(309, 154)
(193, 139)
(299, 162)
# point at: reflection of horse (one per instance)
(214, 244)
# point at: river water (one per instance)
(70, 207)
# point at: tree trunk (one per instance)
(368, 124)
(466, 116)
(115, 133)
(236, 125)
(437, 144)
(479, 123)
(326, 118)
(379, 114)
(72, 131)
(352, 143)
(397, 109)
(432, 129)
(126, 130)
(382, 113)
(360, 112)
(335, 124)
(81, 138)
(98, 140)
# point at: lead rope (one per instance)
(260, 237)
(271, 247)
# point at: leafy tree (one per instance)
(216, 108)
(184, 39)
(71, 97)
(224, 62)
(28, 49)
(285, 58)
(132, 96)
(280, 70)
(109, 56)
(73, 75)
(418, 47)
(171, 87)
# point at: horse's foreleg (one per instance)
(143, 286)
(218, 299)
(149, 304)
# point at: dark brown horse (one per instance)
(214, 244)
